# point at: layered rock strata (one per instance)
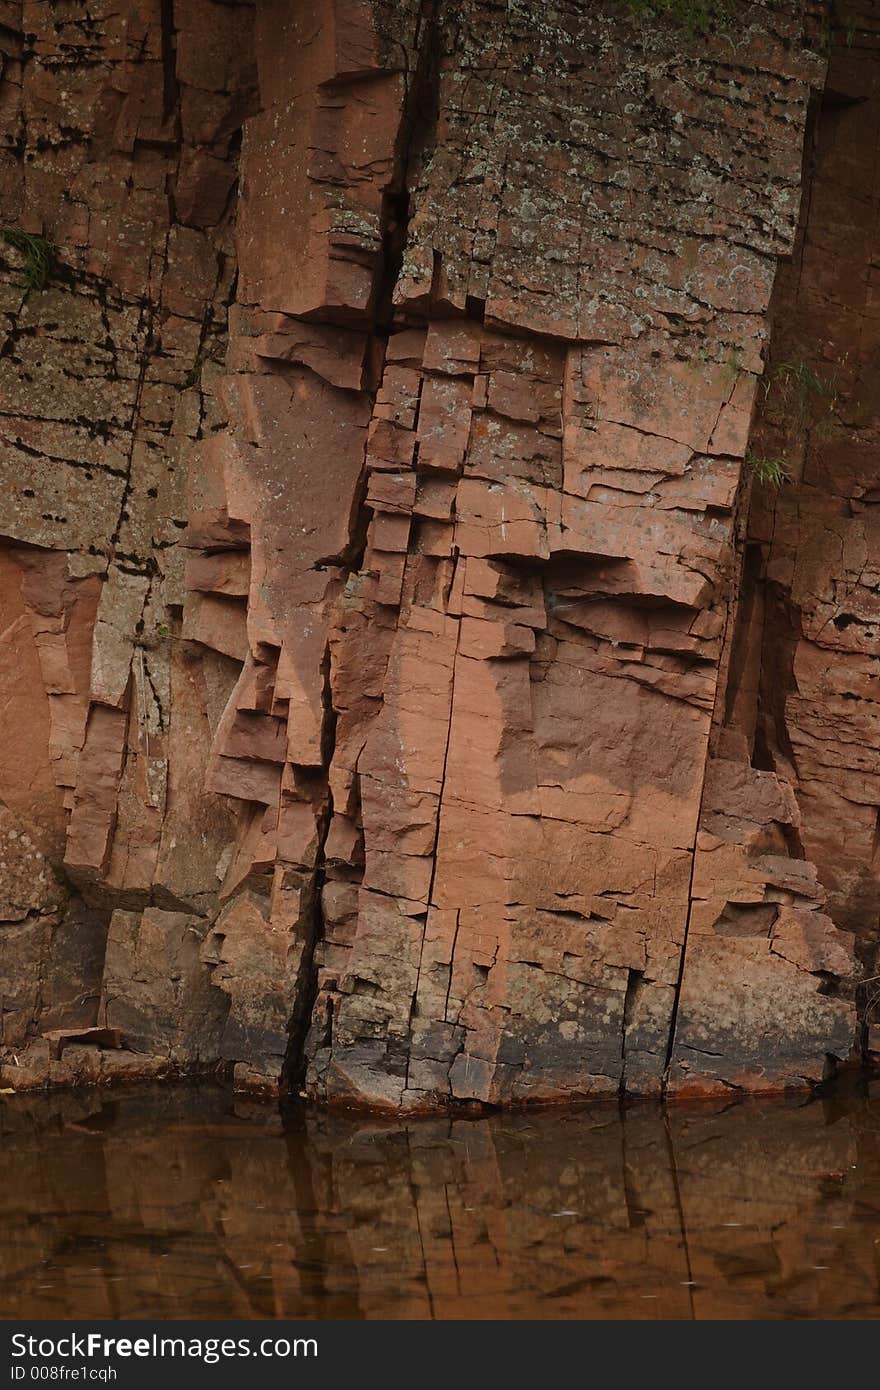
(384, 597)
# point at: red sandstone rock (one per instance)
(383, 639)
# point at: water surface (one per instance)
(192, 1203)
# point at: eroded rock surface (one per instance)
(788, 830)
(383, 593)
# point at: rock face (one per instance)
(413, 692)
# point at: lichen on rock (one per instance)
(393, 643)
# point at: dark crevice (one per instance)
(293, 1069)
(417, 122)
(170, 90)
(635, 985)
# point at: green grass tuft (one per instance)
(807, 399)
(38, 253)
(798, 379)
(772, 472)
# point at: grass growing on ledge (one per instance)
(798, 379)
(38, 253)
(771, 472)
(806, 397)
(694, 15)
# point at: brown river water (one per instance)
(192, 1203)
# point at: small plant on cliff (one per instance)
(735, 362)
(799, 379)
(38, 253)
(801, 392)
(769, 471)
(839, 28)
(694, 15)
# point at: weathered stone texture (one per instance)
(371, 526)
(120, 138)
(790, 811)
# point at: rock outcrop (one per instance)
(416, 689)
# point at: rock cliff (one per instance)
(439, 566)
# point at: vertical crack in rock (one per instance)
(417, 115)
(728, 644)
(434, 851)
(170, 86)
(305, 991)
(634, 985)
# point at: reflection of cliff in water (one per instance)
(192, 1203)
